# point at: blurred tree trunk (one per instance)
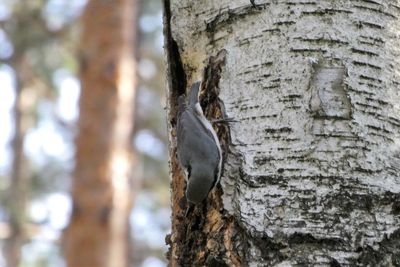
(98, 233)
(24, 15)
(17, 192)
(312, 176)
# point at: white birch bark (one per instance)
(313, 176)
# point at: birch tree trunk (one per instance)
(98, 234)
(312, 173)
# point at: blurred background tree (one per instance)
(38, 113)
(103, 178)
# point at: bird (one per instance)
(198, 148)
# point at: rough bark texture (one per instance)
(99, 230)
(313, 172)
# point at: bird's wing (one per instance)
(196, 143)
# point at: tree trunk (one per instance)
(312, 173)
(18, 190)
(98, 233)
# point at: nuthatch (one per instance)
(199, 151)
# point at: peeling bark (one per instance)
(312, 173)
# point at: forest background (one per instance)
(39, 97)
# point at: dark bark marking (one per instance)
(273, 30)
(388, 253)
(371, 41)
(375, 10)
(285, 23)
(326, 11)
(308, 239)
(270, 249)
(312, 3)
(282, 130)
(364, 52)
(360, 24)
(367, 65)
(228, 16)
(371, 2)
(322, 40)
(308, 50)
(369, 78)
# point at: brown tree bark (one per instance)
(99, 229)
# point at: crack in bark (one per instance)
(176, 79)
(175, 68)
(204, 237)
